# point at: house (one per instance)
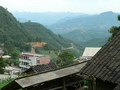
(6, 56)
(41, 68)
(88, 53)
(30, 59)
(105, 66)
(57, 79)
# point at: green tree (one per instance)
(2, 65)
(14, 55)
(114, 29)
(118, 17)
(27, 47)
(38, 39)
(65, 58)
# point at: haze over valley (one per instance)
(78, 27)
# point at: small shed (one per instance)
(105, 66)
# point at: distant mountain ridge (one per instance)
(45, 18)
(96, 42)
(86, 35)
(102, 21)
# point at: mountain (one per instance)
(96, 42)
(11, 31)
(46, 35)
(102, 21)
(22, 20)
(85, 35)
(15, 35)
(54, 42)
(45, 18)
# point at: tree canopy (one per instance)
(114, 29)
(2, 65)
(65, 58)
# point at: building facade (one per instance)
(29, 59)
(88, 53)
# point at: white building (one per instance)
(6, 56)
(88, 53)
(29, 59)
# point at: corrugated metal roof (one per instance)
(105, 65)
(91, 51)
(39, 78)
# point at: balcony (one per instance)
(24, 60)
(24, 66)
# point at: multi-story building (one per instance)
(29, 59)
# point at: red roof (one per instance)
(26, 55)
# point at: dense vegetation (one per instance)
(12, 33)
(97, 42)
(14, 37)
(114, 29)
(2, 65)
(55, 43)
(86, 35)
(46, 35)
(65, 58)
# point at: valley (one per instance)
(79, 27)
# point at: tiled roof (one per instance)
(118, 87)
(44, 67)
(105, 65)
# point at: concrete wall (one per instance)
(45, 59)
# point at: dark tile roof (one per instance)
(105, 65)
(117, 88)
(44, 67)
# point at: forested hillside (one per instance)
(15, 36)
(96, 42)
(46, 35)
(102, 21)
(86, 35)
(54, 42)
(11, 31)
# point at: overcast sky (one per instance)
(82, 6)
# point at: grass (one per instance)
(3, 84)
(5, 81)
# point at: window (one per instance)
(38, 61)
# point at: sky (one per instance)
(82, 6)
